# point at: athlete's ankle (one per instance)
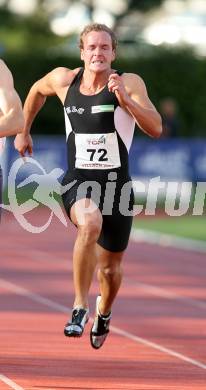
(80, 304)
(102, 312)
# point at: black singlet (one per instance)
(99, 135)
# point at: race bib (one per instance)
(97, 151)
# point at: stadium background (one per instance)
(158, 333)
(32, 45)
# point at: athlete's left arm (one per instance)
(132, 95)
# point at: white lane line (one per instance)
(167, 294)
(159, 347)
(162, 239)
(10, 383)
(64, 309)
(35, 297)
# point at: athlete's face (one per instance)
(97, 52)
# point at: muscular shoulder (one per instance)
(56, 82)
(62, 77)
(133, 81)
(136, 89)
(6, 79)
(3, 67)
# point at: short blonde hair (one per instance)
(97, 27)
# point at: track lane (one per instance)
(48, 272)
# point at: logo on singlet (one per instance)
(102, 108)
(74, 109)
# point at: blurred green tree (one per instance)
(26, 42)
(145, 5)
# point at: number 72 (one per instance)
(102, 154)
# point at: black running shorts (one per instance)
(116, 227)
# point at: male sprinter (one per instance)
(101, 106)
(11, 114)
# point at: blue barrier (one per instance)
(171, 159)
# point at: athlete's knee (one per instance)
(90, 231)
(111, 271)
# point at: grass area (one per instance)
(188, 226)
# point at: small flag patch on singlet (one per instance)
(102, 108)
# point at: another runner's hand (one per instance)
(116, 86)
(23, 143)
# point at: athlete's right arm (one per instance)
(51, 84)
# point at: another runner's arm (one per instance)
(11, 117)
(132, 95)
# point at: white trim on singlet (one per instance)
(124, 124)
(68, 125)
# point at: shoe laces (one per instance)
(78, 315)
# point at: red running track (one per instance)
(158, 335)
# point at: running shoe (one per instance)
(75, 328)
(100, 328)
